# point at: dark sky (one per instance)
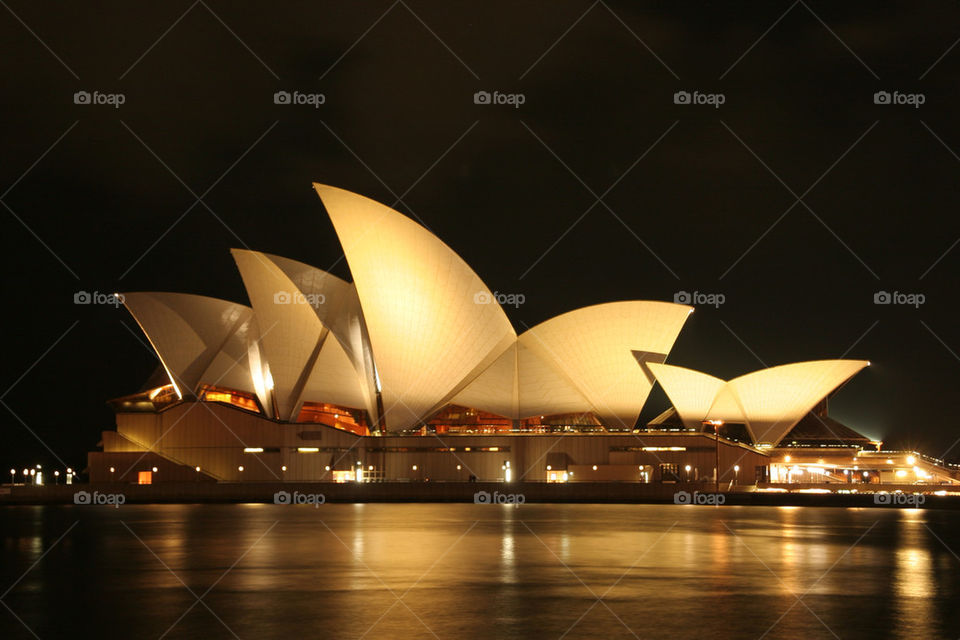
(705, 199)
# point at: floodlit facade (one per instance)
(413, 372)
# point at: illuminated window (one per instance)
(669, 472)
(242, 399)
(343, 476)
(145, 477)
(455, 419)
(331, 415)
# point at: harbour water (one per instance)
(478, 571)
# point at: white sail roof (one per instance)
(584, 360)
(305, 362)
(770, 401)
(337, 306)
(418, 327)
(197, 339)
(432, 321)
(692, 393)
(593, 347)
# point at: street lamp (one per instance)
(687, 469)
(716, 424)
(736, 474)
(56, 477)
(13, 476)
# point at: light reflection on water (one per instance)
(480, 571)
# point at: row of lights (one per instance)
(35, 476)
(687, 468)
(900, 473)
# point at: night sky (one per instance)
(198, 159)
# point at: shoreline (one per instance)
(691, 494)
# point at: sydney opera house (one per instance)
(413, 373)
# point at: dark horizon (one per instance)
(199, 158)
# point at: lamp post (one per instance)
(13, 476)
(56, 477)
(716, 439)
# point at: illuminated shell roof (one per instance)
(770, 401)
(198, 339)
(431, 319)
(417, 325)
(306, 362)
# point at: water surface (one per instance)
(478, 571)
